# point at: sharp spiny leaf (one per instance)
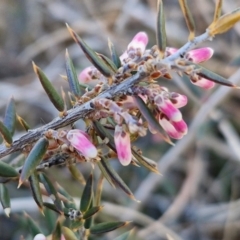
(91, 211)
(36, 192)
(10, 116)
(7, 136)
(33, 159)
(7, 171)
(23, 123)
(5, 199)
(108, 62)
(68, 234)
(188, 18)
(57, 232)
(87, 195)
(72, 77)
(115, 178)
(49, 89)
(152, 166)
(161, 31)
(147, 114)
(114, 56)
(91, 55)
(76, 174)
(107, 227)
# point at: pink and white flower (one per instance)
(81, 142)
(123, 145)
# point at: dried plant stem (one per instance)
(83, 110)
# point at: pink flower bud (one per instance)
(40, 237)
(180, 126)
(123, 145)
(199, 55)
(84, 76)
(169, 128)
(203, 83)
(168, 108)
(81, 142)
(140, 40)
(178, 100)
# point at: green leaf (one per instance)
(10, 116)
(72, 77)
(150, 165)
(91, 211)
(53, 95)
(7, 171)
(23, 123)
(205, 73)
(53, 194)
(5, 199)
(98, 194)
(115, 178)
(108, 62)
(89, 221)
(32, 226)
(147, 114)
(76, 174)
(68, 234)
(91, 55)
(33, 159)
(57, 232)
(114, 56)
(87, 195)
(161, 31)
(103, 133)
(188, 18)
(51, 207)
(7, 136)
(67, 204)
(107, 227)
(36, 192)
(125, 236)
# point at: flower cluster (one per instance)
(165, 105)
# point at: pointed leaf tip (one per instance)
(53, 95)
(91, 55)
(33, 159)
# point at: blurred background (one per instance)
(197, 197)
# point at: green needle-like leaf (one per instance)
(147, 114)
(51, 190)
(53, 95)
(23, 123)
(114, 56)
(115, 178)
(87, 195)
(5, 199)
(72, 76)
(10, 116)
(7, 136)
(76, 174)
(188, 18)
(68, 234)
(91, 211)
(152, 166)
(108, 62)
(91, 55)
(107, 227)
(7, 171)
(57, 232)
(36, 192)
(33, 159)
(161, 31)
(32, 226)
